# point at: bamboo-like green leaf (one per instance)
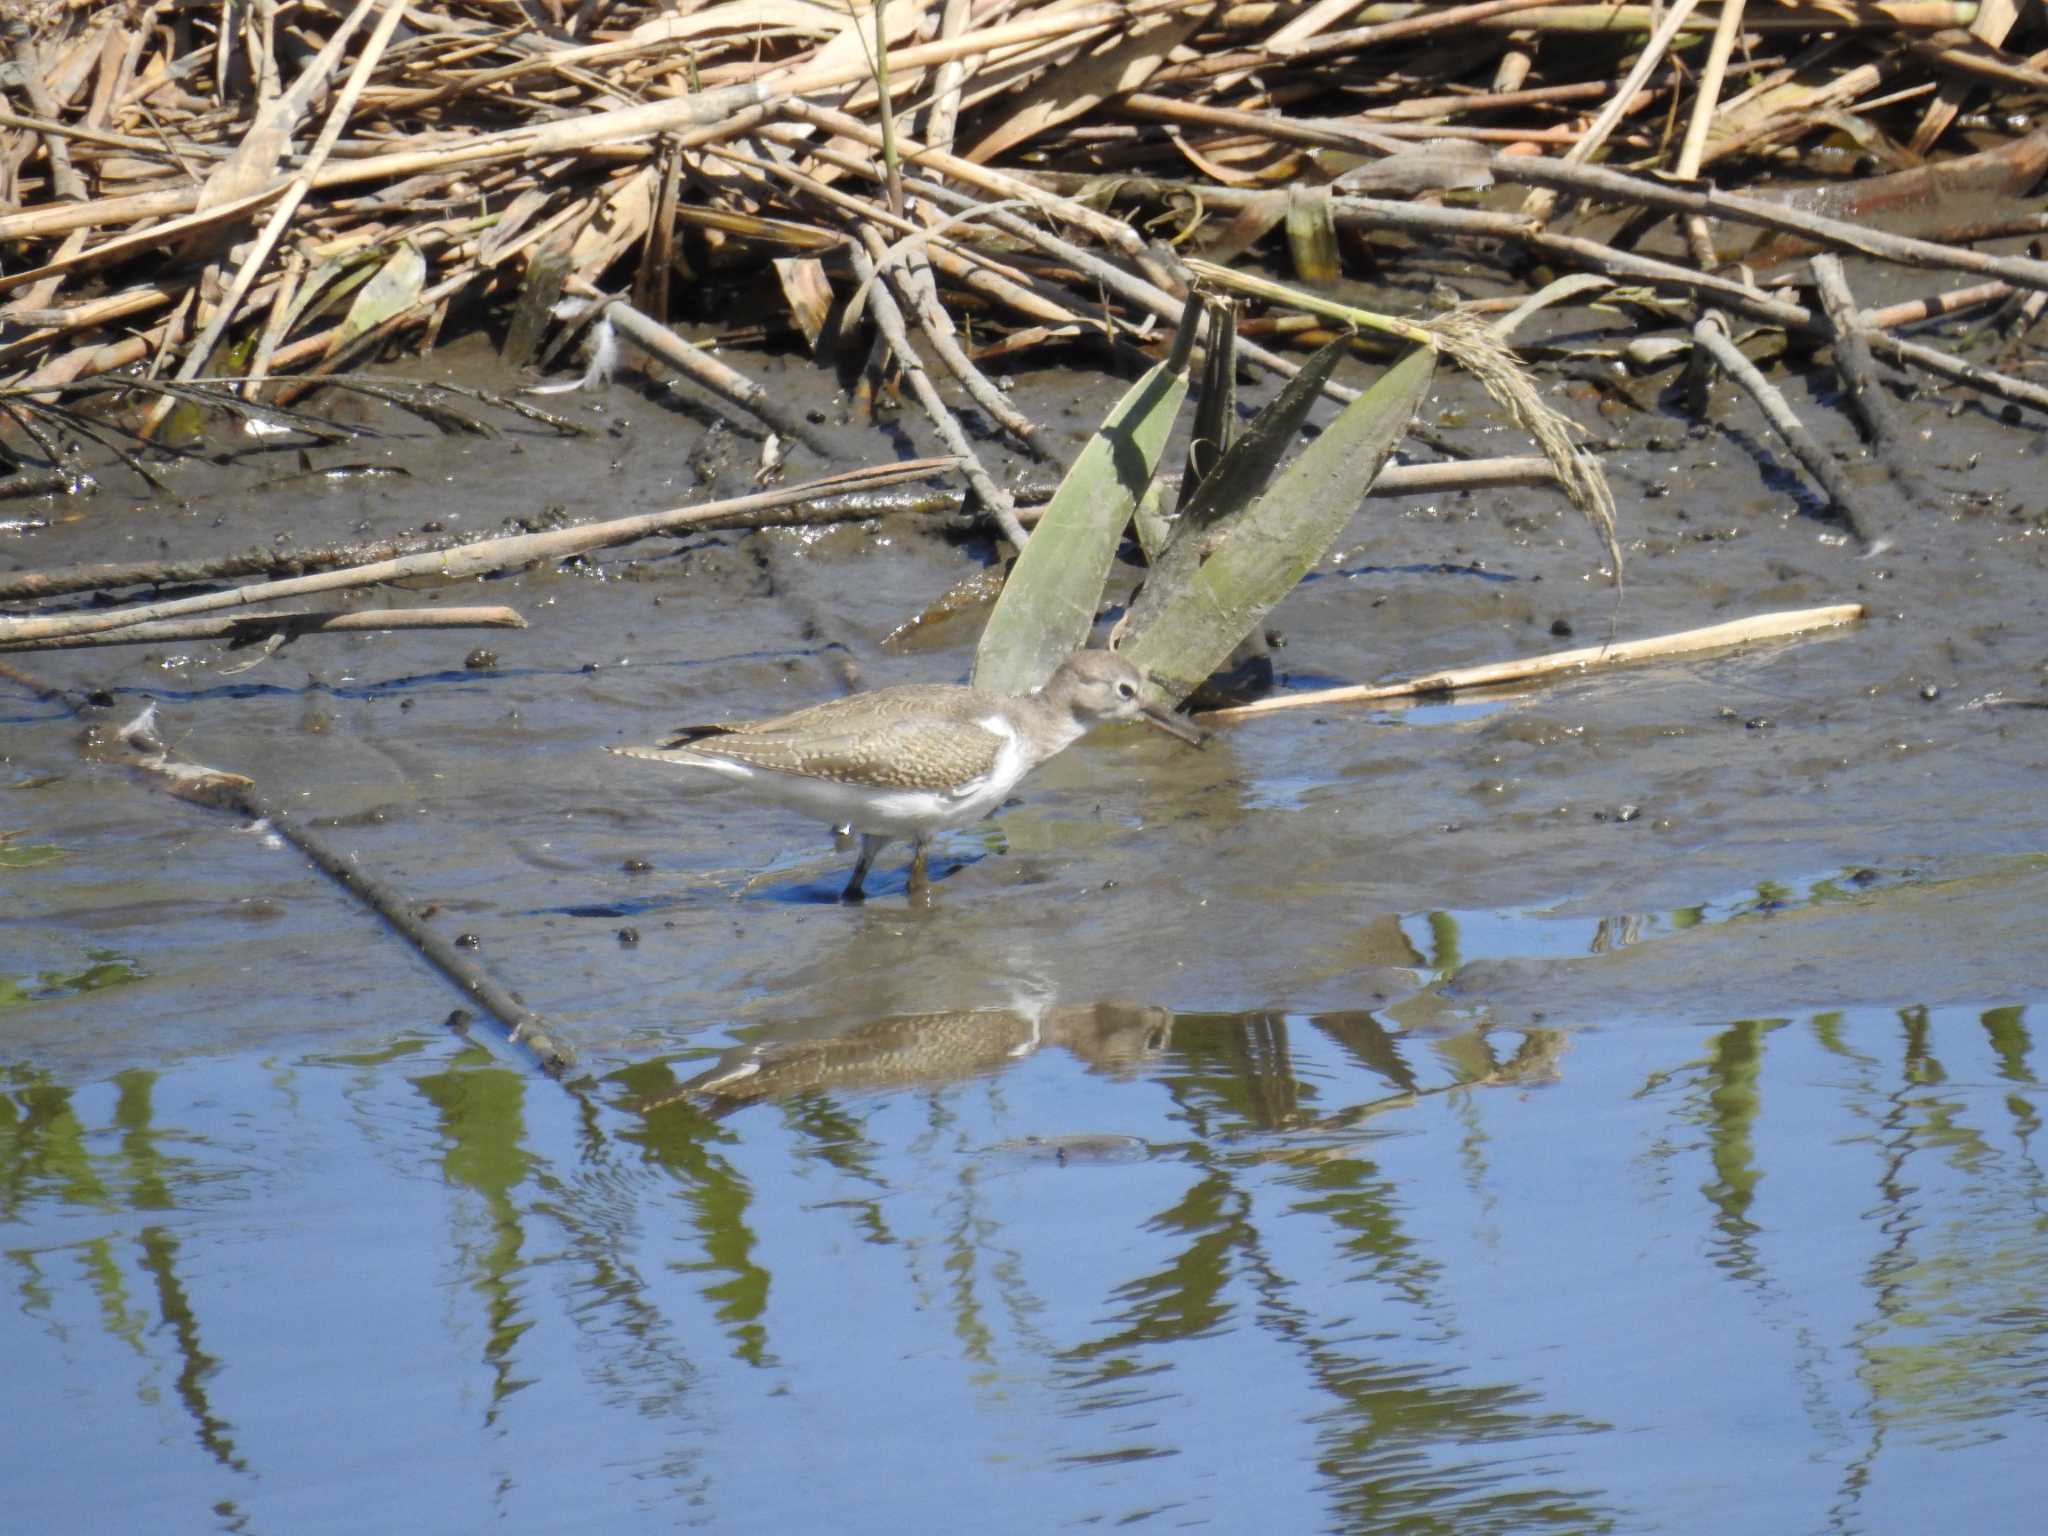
(1048, 605)
(396, 287)
(1216, 411)
(1260, 555)
(1232, 484)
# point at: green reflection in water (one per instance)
(479, 1107)
(43, 1151)
(108, 969)
(15, 854)
(679, 1139)
(1958, 1336)
(160, 1251)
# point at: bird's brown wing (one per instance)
(942, 701)
(935, 756)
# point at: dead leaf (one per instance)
(1116, 68)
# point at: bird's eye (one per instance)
(1125, 690)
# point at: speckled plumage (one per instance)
(911, 761)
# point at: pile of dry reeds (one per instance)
(200, 189)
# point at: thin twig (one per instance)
(1689, 642)
(243, 627)
(889, 320)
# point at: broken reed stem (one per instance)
(1439, 479)
(921, 295)
(892, 170)
(239, 795)
(1948, 366)
(255, 626)
(889, 320)
(1690, 642)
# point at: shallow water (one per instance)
(1606, 1107)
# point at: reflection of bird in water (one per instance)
(915, 760)
(929, 1048)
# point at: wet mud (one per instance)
(1853, 818)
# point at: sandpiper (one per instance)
(914, 760)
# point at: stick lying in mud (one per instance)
(477, 559)
(1711, 335)
(830, 501)
(1687, 642)
(255, 626)
(724, 382)
(1861, 382)
(233, 793)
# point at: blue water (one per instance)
(1771, 1275)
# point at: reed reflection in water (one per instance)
(1043, 1265)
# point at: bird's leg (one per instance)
(870, 845)
(920, 892)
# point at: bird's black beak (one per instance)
(1173, 724)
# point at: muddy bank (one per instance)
(1299, 861)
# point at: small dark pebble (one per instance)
(629, 937)
(1757, 723)
(459, 1018)
(405, 704)
(433, 527)
(636, 866)
(1930, 692)
(1560, 627)
(1110, 885)
(431, 909)
(480, 660)
(468, 941)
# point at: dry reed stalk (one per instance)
(1440, 479)
(250, 626)
(1690, 642)
(1698, 235)
(201, 350)
(889, 320)
(1136, 290)
(1540, 203)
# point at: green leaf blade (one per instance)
(1261, 554)
(1048, 605)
